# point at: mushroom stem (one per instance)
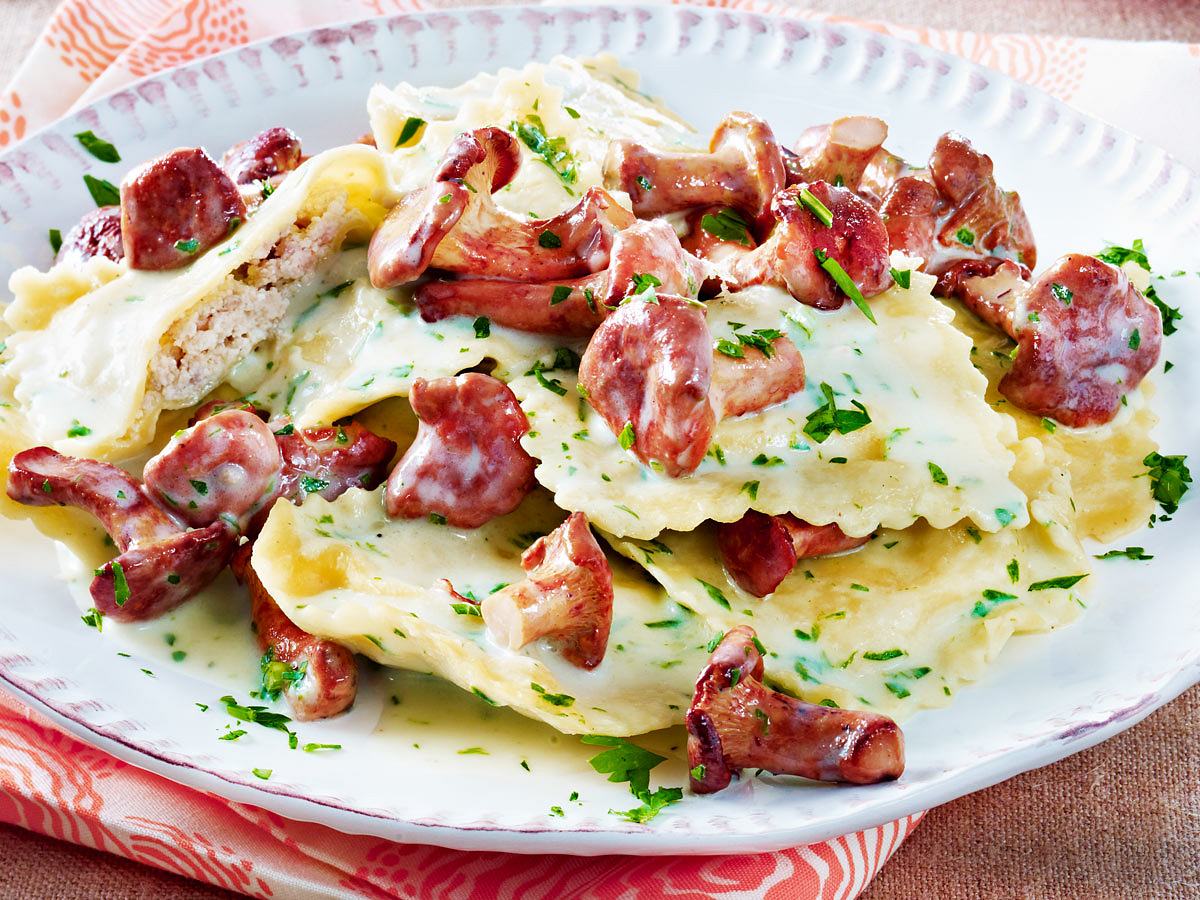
(736, 722)
(567, 595)
(759, 551)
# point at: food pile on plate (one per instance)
(531, 389)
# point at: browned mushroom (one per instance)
(791, 258)
(175, 207)
(98, 233)
(990, 288)
(44, 477)
(145, 582)
(454, 224)
(318, 677)
(330, 460)
(736, 722)
(757, 379)
(838, 153)
(1086, 338)
(567, 596)
(269, 153)
(759, 551)
(647, 371)
(967, 217)
(576, 307)
(160, 564)
(743, 170)
(466, 464)
(226, 466)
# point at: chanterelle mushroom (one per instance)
(647, 371)
(318, 677)
(1086, 337)
(567, 596)
(743, 169)
(736, 722)
(160, 564)
(175, 207)
(454, 225)
(791, 258)
(967, 216)
(226, 466)
(466, 464)
(644, 250)
(652, 374)
(759, 551)
(838, 153)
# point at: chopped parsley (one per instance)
(902, 277)
(729, 348)
(466, 609)
(627, 437)
(264, 774)
(483, 327)
(313, 748)
(98, 147)
(1049, 424)
(1062, 293)
(104, 193)
(553, 699)
(78, 430)
(884, 655)
(548, 240)
(1014, 571)
(410, 132)
(55, 240)
(232, 735)
(936, 473)
(94, 619)
(1137, 254)
(1135, 339)
(835, 271)
(727, 225)
(552, 152)
(191, 245)
(624, 761)
(1063, 581)
(721, 600)
(991, 599)
(311, 485)
(819, 210)
(1169, 479)
(277, 675)
(259, 715)
(827, 418)
(1135, 553)
(642, 282)
(644, 183)
(120, 585)
(965, 237)
(750, 488)
(560, 293)
(1004, 516)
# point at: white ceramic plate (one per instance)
(1084, 184)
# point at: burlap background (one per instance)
(1120, 820)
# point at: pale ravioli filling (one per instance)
(911, 372)
(375, 584)
(344, 345)
(92, 375)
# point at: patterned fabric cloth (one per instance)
(56, 785)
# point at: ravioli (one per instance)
(902, 623)
(344, 345)
(912, 374)
(374, 584)
(1112, 495)
(583, 104)
(81, 362)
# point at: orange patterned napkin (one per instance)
(56, 785)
